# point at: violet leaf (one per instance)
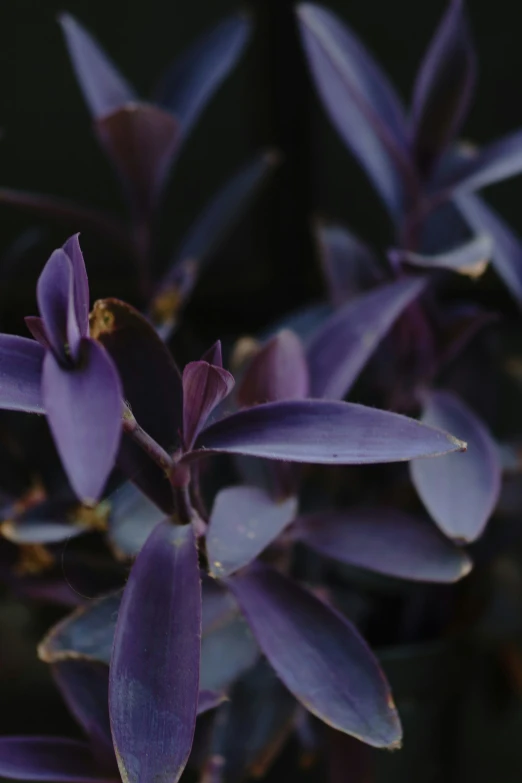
(204, 387)
(197, 73)
(228, 649)
(154, 677)
(53, 759)
(243, 522)
(360, 101)
(141, 141)
(444, 87)
(461, 492)
(104, 88)
(55, 292)
(84, 410)
(319, 655)
(21, 362)
(507, 246)
(384, 540)
(49, 522)
(470, 259)
(323, 431)
(80, 283)
(132, 518)
(279, 371)
(340, 348)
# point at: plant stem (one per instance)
(144, 440)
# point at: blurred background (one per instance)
(463, 721)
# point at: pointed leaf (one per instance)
(157, 404)
(470, 259)
(21, 362)
(53, 759)
(84, 686)
(49, 522)
(84, 408)
(214, 355)
(341, 347)
(384, 540)
(497, 161)
(154, 678)
(141, 141)
(507, 246)
(204, 387)
(319, 431)
(360, 101)
(319, 656)
(211, 227)
(87, 633)
(194, 77)
(54, 292)
(132, 518)
(279, 371)
(459, 492)
(349, 265)
(104, 88)
(444, 86)
(243, 522)
(36, 326)
(81, 283)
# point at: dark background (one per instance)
(268, 266)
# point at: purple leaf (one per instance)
(154, 679)
(360, 101)
(84, 409)
(349, 265)
(341, 347)
(204, 387)
(36, 326)
(193, 78)
(243, 522)
(141, 141)
(383, 540)
(210, 228)
(318, 431)
(470, 259)
(21, 363)
(53, 759)
(55, 292)
(319, 656)
(507, 247)
(228, 649)
(459, 492)
(444, 87)
(84, 686)
(85, 634)
(214, 355)
(279, 371)
(104, 88)
(132, 518)
(80, 283)
(497, 161)
(49, 522)
(157, 405)
(209, 700)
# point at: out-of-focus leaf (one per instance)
(84, 686)
(470, 259)
(151, 386)
(104, 88)
(497, 161)
(87, 633)
(444, 87)
(360, 101)
(21, 362)
(252, 728)
(384, 540)
(243, 522)
(342, 346)
(461, 491)
(228, 649)
(349, 265)
(132, 517)
(154, 674)
(279, 371)
(318, 655)
(194, 77)
(322, 431)
(141, 141)
(53, 759)
(507, 247)
(46, 523)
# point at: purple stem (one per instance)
(148, 444)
